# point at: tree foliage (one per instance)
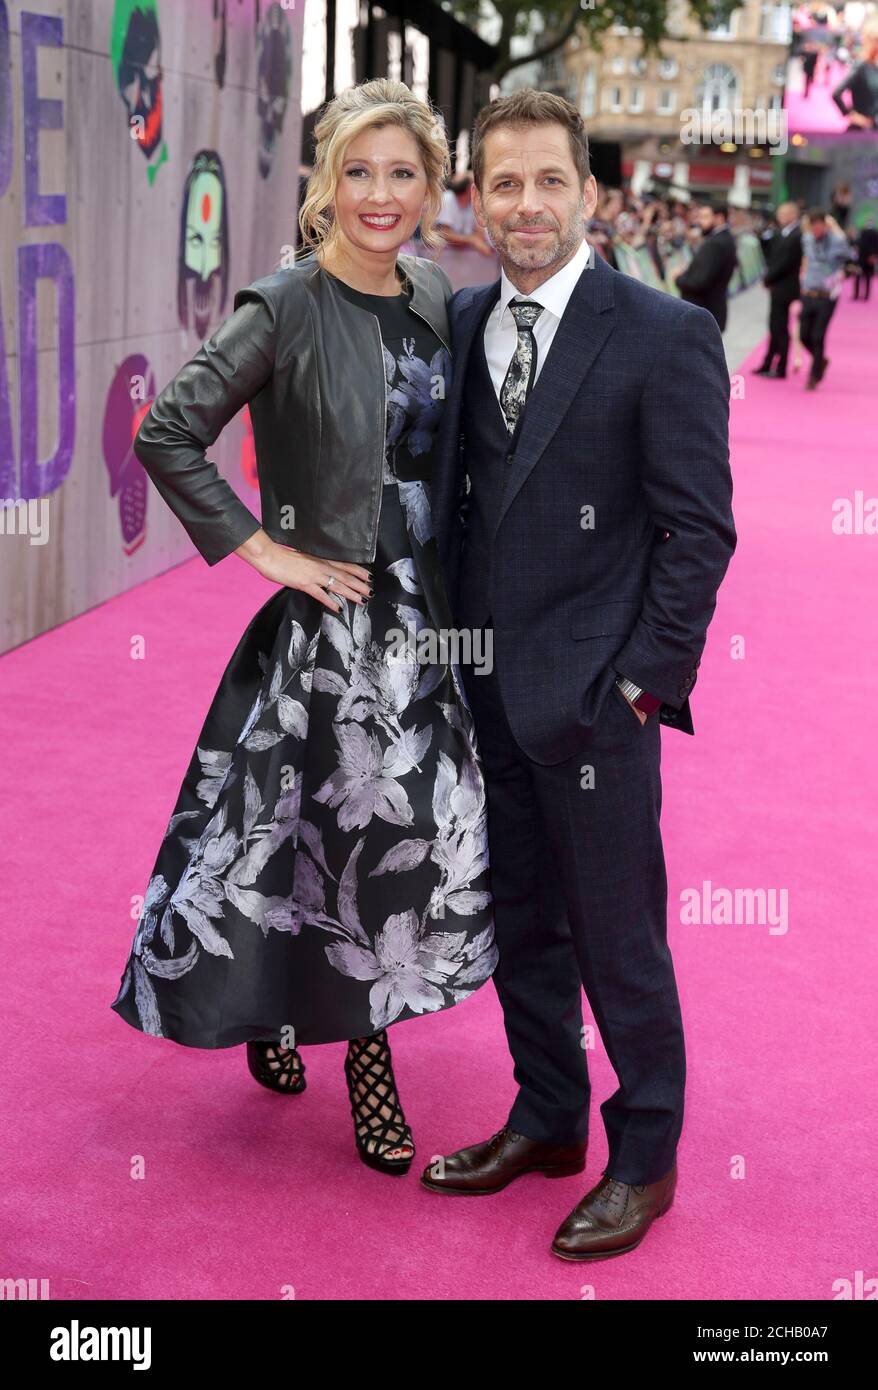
(590, 19)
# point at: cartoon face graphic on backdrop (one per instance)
(135, 49)
(203, 260)
(130, 395)
(274, 50)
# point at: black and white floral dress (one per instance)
(325, 870)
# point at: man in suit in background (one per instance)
(784, 259)
(705, 280)
(867, 256)
(582, 502)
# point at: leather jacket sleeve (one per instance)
(186, 417)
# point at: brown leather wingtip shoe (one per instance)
(498, 1161)
(613, 1218)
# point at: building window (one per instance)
(719, 89)
(779, 74)
(724, 28)
(638, 67)
(775, 22)
(668, 68)
(589, 91)
(635, 99)
(614, 98)
(617, 67)
(667, 101)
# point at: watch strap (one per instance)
(639, 698)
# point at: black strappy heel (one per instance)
(379, 1123)
(278, 1068)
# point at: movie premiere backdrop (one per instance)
(149, 155)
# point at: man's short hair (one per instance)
(524, 108)
(817, 214)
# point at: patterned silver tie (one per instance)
(519, 378)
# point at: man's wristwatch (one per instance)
(640, 699)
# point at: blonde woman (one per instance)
(324, 872)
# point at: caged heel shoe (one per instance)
(379, 1123)
(278, 1068)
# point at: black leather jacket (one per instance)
(311, 365)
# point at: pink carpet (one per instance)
(245, 1193)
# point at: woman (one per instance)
(324, 872)
(861, 83)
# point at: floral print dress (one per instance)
(324, 872)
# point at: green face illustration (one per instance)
(203, 222)
(203, 245)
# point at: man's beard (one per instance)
(562, 244)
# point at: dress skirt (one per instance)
(324, 872)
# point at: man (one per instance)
(825, 252)
(867, 256)
(781, 279)
(457, 221)
(705, 280)
(590, 414)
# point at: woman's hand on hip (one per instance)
(313, 574)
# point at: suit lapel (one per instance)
(585, 326)
(464, 325)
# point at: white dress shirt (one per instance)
(501, 334)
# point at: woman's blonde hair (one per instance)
(372, 104)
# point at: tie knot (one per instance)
(525, 312)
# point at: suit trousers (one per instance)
(813, 324)
(580, 901)
(779, 332)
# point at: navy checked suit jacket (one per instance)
(615, 526)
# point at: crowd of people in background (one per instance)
(693, 247)
(691, 244)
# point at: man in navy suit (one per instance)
(582, 503)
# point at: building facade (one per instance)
(668, 116)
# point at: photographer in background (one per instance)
(705, 280)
